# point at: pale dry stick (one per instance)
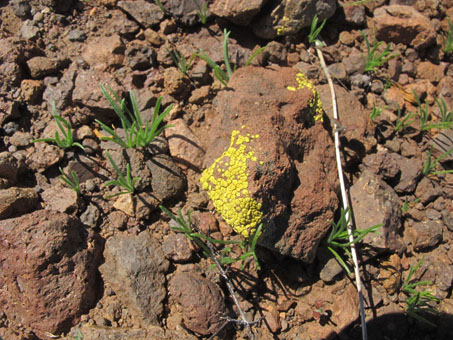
(318, 45)
(244, 322)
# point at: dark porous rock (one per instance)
(424, 235)
(237, 11)
(145, 13)
(184, 12)
(201, 302)
(403, 24)
(400, 172)
(294, 178)
(139, 55)
(167, 180)
(384, 164)
(357, 139)
(177, 248)
(375, 202)
(135, 268)
(48, 275)
(17, 201)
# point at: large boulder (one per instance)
(48, 276)
(271, 158)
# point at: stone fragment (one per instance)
(177, 248)
(286, 18)
(43, 155)
(61, 93)
(237, 11)
(272, 319)
(411, 169)
(77, 35)
(9, 169)
(87, 92)
(201, 302)
(374, 202)
(21, 8)
(17, 201)
(135, 269)
(354, 15)
(121, 23)
(48, 271)
(60, 199)
(104, 52)
(94, 332)
(40, 67)
(185, 147)
(427, 190)
(427, 70)
(358, 137)
(384, 164)
(293, 177)
(29, 31)
(145, 13)
(167, 180)
(176, 83)
(31, 90)
(139, 55)
(184, 12)
(403, 24)
(330, 270)
(425, 235)
(390, 274)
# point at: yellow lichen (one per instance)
(226, 182)
(315, 101)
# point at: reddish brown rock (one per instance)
(48, 275)
(427, 70)
(184, 146)
(403, 24)
(42, 66)
(296, 182)
(201, 302)
(17, 201)
(104, 52)
(87, 92)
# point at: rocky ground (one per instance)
(86, 266)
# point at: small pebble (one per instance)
(77, 35)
